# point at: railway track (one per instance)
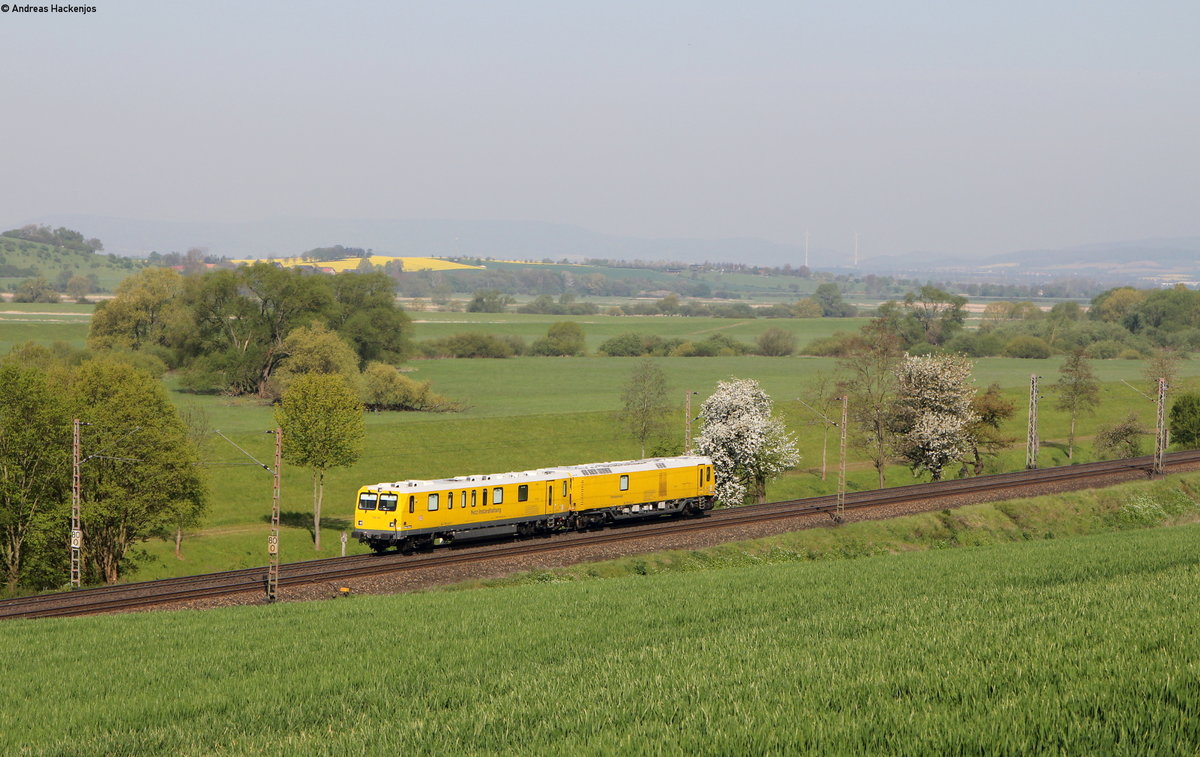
(167, 591)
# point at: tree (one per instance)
(990, 408)
(1115, 305)
(822, 396)
(933, 411)
(1122, 439)
(323, 428)
(644, 403)
(314, 349)
(1162, 364)
(199, 433)
(140, 312)
(365, 313)
(489, 301)
(1078, 391)
(140, 478)
(35, 290)
(776, 342)
(79, 287)
(806, 308)
(868, 376)
(34, 460)
(829, 297)
(1185, 420)
(747, 444)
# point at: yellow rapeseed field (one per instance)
(349, 264)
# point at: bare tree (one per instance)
(644, 403)
(1078, 391)
(822, 395)
(1163, 363)
(868, 377)
(199, 432)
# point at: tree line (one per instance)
(247, 330)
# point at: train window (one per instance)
(473, 493)
(710, 475)
(523, 493)
(497, 496)
(564, 488)
(433, 502)
(624, 483)
(387, 502)
(462, 501)
(366, 501)
(485, 497)
(412, 503)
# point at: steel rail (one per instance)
(165, 591)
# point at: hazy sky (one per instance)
(953, 127)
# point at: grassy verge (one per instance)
(1143, 504)
(1082, 646)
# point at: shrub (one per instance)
(837, 345)
(383, 387)
(1026, 346)
(776, 343)
(1106, 349)
(564, 338)
(470, 344)
(629, 344)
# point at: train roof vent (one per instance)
(596, 471)
(660, 465)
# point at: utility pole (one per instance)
(841, 495)
(1031, 450)
(273, 539)
(687, 423)
(1161, 436)
(76, 490)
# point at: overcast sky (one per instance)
(953, 127)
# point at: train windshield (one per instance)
(388, 502)
(366, 501)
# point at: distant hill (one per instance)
(523, 240)
(1137, 261)
(22, 259)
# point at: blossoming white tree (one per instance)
(933, 413)
(747, 444)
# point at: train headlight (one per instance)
(360, 523)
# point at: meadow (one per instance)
(1080, 646)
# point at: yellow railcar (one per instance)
(421, 513)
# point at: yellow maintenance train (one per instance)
(420, 514)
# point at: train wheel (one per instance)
(380, 546)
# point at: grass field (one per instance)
(1076, 646)
(598, 328)
(530, 412)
